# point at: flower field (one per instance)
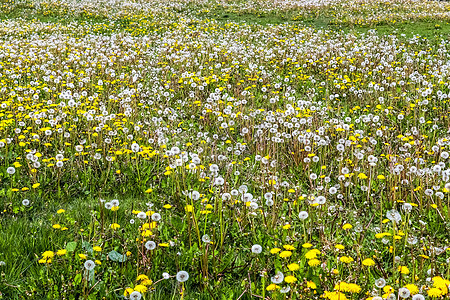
(199, 149)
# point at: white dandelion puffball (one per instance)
(257, 249)
(89, 265)
(182, 276)
(150, 245)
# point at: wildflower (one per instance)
(60, 211)
(303, 215)
(290, 279)
(140, 288)
(313, 262)
(404, 292)
(135, 295)
(285, 254)
(97, 248)
(380, 283)
(48, 255)
(25, 202)
(127, 291)
(277, 278)
(150, 245)
(115, 226)
(412, 288)
(275, 250)
(182, 276)
(257, 249)
(435, 292)
(347, 226)
(293, 267)
(346, 259)
(82, 256)
(311, 285)
(403, 269)
(272, 287)
(61, 252)
(285, 289)
(89, 265)
(11, 170)
(368, 262)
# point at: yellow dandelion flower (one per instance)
(346, 259)
(435, 292)
(272, 287)
(275, 250)
(403, 269)
(314, 262)
(61, 252)
(293, 267)
(347, 226)
(115, 226)
(368, 262)
(140, 288)
(285, 254)
(290, 279)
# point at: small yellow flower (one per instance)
(339, 246)
(346, 259)
(60, 211)
(48, 254)
(285, 254)
(56, 226)
(290, 279)
(311, 285)
(115, 226)
(97, 262)
(314, 262)
(97, 248)
(275, 250)
(82, 256)
(127, 292)
(140, 288)
(368, 262)
(149, 191)
(293, 267)
(272, 287)
(307, 245)
(362, 176)
(167, 206)
(36, 185)
(347, 226)
(288, 247)
(61, 252)
(403, 269)
(381, 177)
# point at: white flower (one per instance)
(25, 202)
(156, 217)
(89, 265)
(278, 278)
(404, 293)
(150, 245)
(380, 283)
(165, 275)
(303, 215)
(11, 170)
(135, 295)
(182, 276)
(257, 249)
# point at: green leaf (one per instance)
(71, 246)
(88, 247)
(77, 279)
(116, 256)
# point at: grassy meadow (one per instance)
(200, 149)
